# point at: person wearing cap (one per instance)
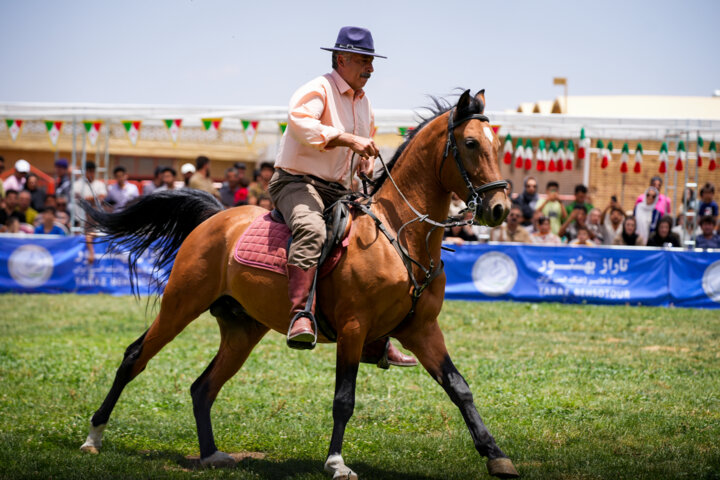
(63, 185)
(200, 180)
(122, 191)
(329, 120)
(187, 171)
(17, 180)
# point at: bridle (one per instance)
(474, 200)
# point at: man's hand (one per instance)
(365, 147)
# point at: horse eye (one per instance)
(471, 143)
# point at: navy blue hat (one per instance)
(63, 163)
(354, 40)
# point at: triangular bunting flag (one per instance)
(132, 127)
(250, 129)
(53, 129)
(700, 145)
(561, 156)
(212, 124)
(508, 150)
(405, 131)
(553, 157)
(540, 156)
(638, 158)
(680, 156)
(14, 127)
(570, 156)
(283, 126)
(624, 157)
(712, 150)
(173, 125)
(528, 154)
(519, 152)
(495, 128)
(663, 158)
(93, 130)
(601, 153)
(583, 145)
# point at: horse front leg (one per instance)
(349, 350)
(428, 345)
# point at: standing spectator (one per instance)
(528, 199)
(156, 182)
(552, 208)
(24, 199)
(229, 187)
(90, 188)
(544, 235)
(629, 236)
(63, 186)
(577, 219)
(708, 206)
(201, 180)
(37, 192)
(511, 231)
(580, 199)
(17, 180)
(595, 226)
(260, 186)
(663, 235)
(187, 171)
(708, 238)
(612, 223)
(167, 179)
(647, 214)
(663, 202)
(122, 191)
(48, 227)
(582, 239)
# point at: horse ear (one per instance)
(480, 97)
(463, 103)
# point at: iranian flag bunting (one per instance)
(519, 153)
(570, 156)
(14, 127)
(624, 157)
(173, 125)
(508, 150)
(92, 128)
(712, 150)
(405, 131)
(212, 124)
(132, 127)
(283, 126)
(583, 145)
(680, 156)
(250, 129)
(540, 156)
(606, 153)
(553, 156)
(638, 158)
(700, 145)
(528, 154)
(561, 156)
(663, 158)
(53, 129)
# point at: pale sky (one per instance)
(222, 52)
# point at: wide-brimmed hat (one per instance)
(354, 40)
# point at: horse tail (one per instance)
(160, 221)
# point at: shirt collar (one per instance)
(343, 86)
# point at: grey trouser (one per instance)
(301, 200)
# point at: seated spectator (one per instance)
(577, 218)
(167, 178)
(686, 232)
(528, 200)
(663, 236)
(533, 226)
(11, 226)
(708, 238)
(460, 234)
(24, 200)
(122, 192)
(156, 182)
(583, 238)
(708, 206)
(11, 208)
(511, 230)
(552, 208)
(629, 236)
(230, 187)
(265, 202)
(612, 223)
(37, 192)
(544, 235)
(580, 200)
(260, 186)
(663, 202)
(17, 180)
(647, 214)
(50, 201)
(48, 227)
(187, 171)
(595, 227)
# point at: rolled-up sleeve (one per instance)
(304, 123)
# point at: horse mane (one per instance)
(439, 105)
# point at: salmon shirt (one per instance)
(319, 112)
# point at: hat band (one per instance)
(353, 47)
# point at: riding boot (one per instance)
(299, 283)
(383, 353)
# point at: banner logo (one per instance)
(494, 274)
(711, 281)
(30, 265)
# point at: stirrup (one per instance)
(302, 345)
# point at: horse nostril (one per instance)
(497, 212)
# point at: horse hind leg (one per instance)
(239, 333)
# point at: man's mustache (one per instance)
(364, 75)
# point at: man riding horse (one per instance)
(329, 118)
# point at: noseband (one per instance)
(474, 200)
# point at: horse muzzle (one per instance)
(495, 208)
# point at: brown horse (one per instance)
(365, 298)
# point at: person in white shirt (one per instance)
(544, 235)
(122, 191)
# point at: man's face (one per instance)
(120, 177)
(48, 218)
(595, 217)
(168, 178)
(707, 228)
(61, 204)
(531, 187)
(60, 171)
(657, 183)
(580, 197)
(267, 173)
(581, 217)
(31, 183)
(615, 217)
(514, 217)
(24, 200)
(707, 196)
(544, 227)
(355, 69)
(90, 174)
(11, 201)
(232, 178)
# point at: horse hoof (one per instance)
(502, 468)
(89, 449)
(337, 467)
(218, 460)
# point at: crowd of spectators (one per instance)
(27, 208)
(543, 219)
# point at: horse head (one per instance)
(473, 173)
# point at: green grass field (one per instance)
(568, 392)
